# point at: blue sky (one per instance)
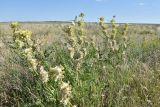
(133, 11)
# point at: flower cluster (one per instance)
(23, 40)
(14, 26)
(124, 44)
(103, 26)
(114, 44)
(76, 40)
(23, 34)
(65, 93)
(110, 36)
(43, 74)
(28, 52)
(124, 35)
(57, 73)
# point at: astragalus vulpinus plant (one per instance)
(115, 43)
(76, 41)
(51, 80)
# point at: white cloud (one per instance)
(141, 4)
(99, 0)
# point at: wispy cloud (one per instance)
(100, 0)
(141, 4)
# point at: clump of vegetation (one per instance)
(79, 72)
(46, 84)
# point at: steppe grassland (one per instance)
(102, 76)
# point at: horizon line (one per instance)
(69, 21)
